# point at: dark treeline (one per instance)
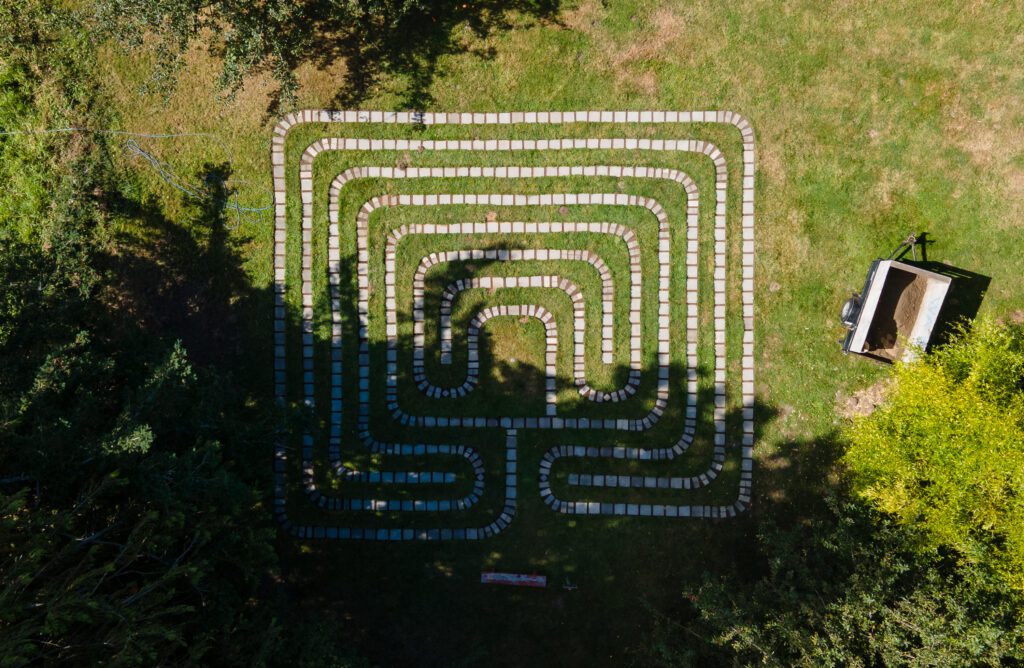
(132, 475)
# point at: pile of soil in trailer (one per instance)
(897, 310)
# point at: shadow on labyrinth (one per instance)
(511, 351)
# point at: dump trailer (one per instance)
(893, 317)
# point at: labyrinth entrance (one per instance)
(479, 312)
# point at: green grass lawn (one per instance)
(872, 122)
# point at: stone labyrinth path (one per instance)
(481, 316)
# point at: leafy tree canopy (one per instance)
(945, 454)
(845, 589)
(129, 533)
(404, 37)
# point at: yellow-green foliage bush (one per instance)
(945, 453)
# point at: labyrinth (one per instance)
(482, 314)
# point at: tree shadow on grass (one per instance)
(619, 563)
(797, 475)
(185, 281)
(408, 40)
(795, 488)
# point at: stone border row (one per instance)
(400, 477)
(510, 118)
(498, 199)
(516, 172)
(517, 255)
(506, 118)
(570, 289)
(650, 482)
(579, 359)
(550, 340)
(362, 270)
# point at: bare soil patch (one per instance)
(864, 401)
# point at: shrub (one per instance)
(945, 453)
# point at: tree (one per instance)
(250, 34)
(125, 537)
(916, 559)
(846, 589)
(130, 534)
(944, 455)
(403, 37)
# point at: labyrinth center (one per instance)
(486, 315)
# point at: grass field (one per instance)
(872, 122)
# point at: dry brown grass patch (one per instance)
(664, 28)
(994, 140)
(659, 37)
(863, 402)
